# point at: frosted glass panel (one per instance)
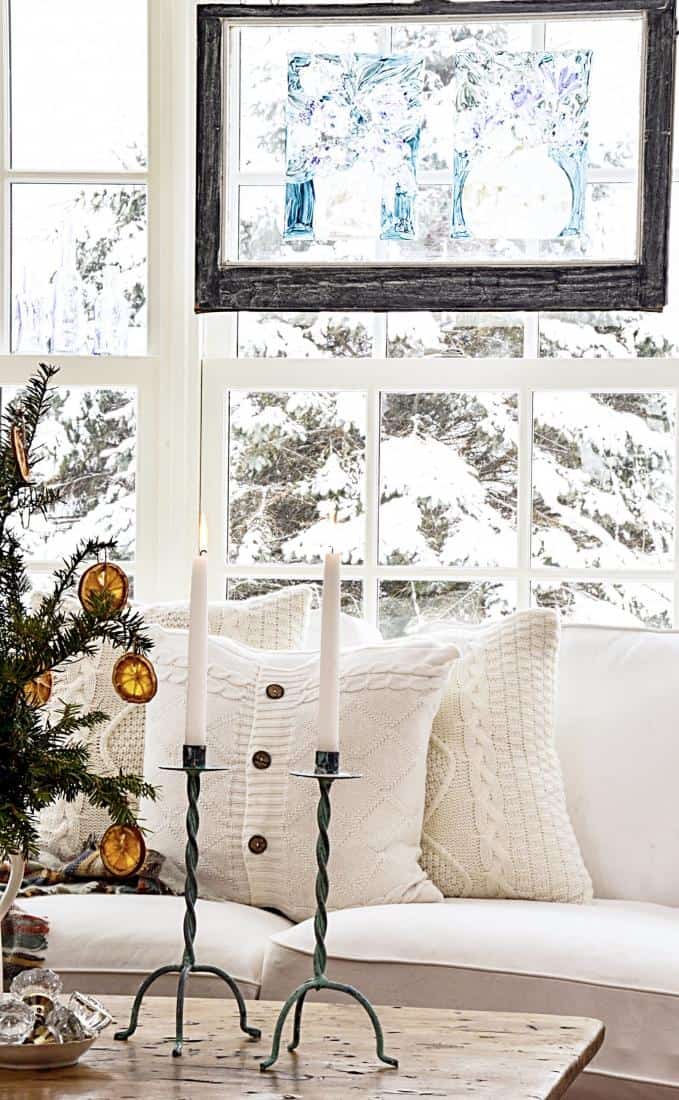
(521, 132)
(79, 269)
(353, 132)
(79, 84)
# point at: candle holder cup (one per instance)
(194, 765)
(326, 772)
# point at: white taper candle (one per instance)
(196, 691)
(328, 699)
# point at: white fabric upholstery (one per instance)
(353, 631)
(106, 943)
(389, 696)
(615, 961)
(618, 739)
(496, 823)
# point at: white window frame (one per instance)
(524, 377)
(171, 436)
(167, 378)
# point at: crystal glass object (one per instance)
(37, 983)
(65, 1026)
(359, 114)
(91, 1012)
(16, 1019)
(521, 144)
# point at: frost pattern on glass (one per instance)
(603, 479)
(296, 476)
(520, 145)
(353, 113)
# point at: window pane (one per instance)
(407, 606)
(448, 466)
(296, 461)
(304, 335)
(78, 84)
(79, 269)
(485, 335)
(614, 84)
(608, 602)
(263, 68)
(242, 588)
(603, 479)
(464, 143)
(90, 449)
(617, 335)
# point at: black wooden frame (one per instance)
(377, 286)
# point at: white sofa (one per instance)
(616, 959)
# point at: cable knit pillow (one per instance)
(258, 824)
(496, 822)
(275, 621)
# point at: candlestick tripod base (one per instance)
(326, 773)
(194, 765)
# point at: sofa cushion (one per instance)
(616, 731)
(106, 943)
(495, 821)
(258, 830)
(615, 961)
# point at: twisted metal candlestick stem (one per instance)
(191, 862)
(325, 776)
(322, 881)
(194, 766)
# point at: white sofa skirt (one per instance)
(614, 961)
(106, 943)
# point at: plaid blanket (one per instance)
(24, 937)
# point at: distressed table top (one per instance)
(442, 1053)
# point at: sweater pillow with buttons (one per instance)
(257, 822)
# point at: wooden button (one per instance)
(257, 844)
(275, 691)
(262, 760)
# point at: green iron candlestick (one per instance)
(326, 773)
(193, 765)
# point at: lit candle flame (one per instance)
(202, 535)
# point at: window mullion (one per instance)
(4, 179)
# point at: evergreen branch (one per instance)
(43, 756)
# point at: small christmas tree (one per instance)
(41, 756)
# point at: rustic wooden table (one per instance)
(499, 1056)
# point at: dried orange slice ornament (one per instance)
(103, 586)
(134, 678)
(19, 451)
(122, 850)
(38, 691)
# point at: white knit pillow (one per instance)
(275, 621)
(390, 694)
(496, 822)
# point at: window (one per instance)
(379, 160)
(75, 286)
(465, 462)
